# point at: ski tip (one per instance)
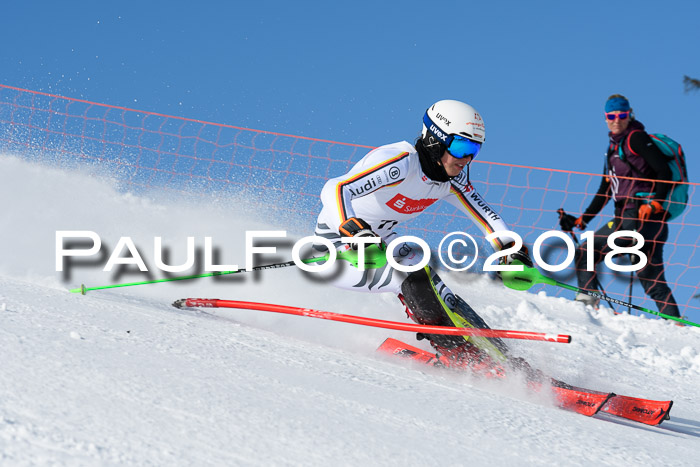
(180, 303)
(662, 417)
(667, 415)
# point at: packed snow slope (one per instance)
(120, 377)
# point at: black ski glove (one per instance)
(522, 255)
(356, 227)
(567, 222)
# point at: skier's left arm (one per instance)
(465, 197)
(468, 200)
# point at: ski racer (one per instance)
(395, 183)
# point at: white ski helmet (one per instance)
(448, 118)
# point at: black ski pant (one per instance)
(652, 276)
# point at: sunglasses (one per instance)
(458, 146)
(621, 116)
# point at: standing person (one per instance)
(638, 204)
(395, 183)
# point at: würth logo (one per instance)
(404, 205)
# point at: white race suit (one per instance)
(385, 188)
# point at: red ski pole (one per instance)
(379, 323)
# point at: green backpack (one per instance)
(677, 198)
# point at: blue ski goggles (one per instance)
(461, 147)
(458, 146)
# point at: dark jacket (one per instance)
(640, 159)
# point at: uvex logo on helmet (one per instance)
(442, 118)
(437, 132)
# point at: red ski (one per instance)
(646, 411)
(580, 400)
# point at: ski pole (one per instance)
(561, 213)
(629, 298)
(377, 323)
(375, 257)
(525, 279)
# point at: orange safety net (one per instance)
(284, 174)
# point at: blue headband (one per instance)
(617, 103)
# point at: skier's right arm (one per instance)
(376, 170)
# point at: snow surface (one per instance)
(120, 377)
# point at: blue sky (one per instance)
(364, 72)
